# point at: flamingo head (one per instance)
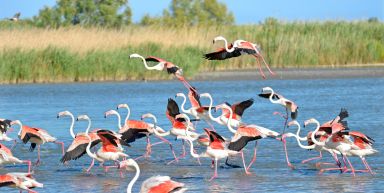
(266, 89)
(180, 95)
(82, 117)
(110, 112)
(223, 106)
(148, 115)
(122, 106)
(219, 38)
(135, 56)
(15, 122)
(64, 113)
(294, 122)
(309, 121)
(128, 164)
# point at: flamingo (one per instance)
(110, 150)
(154, 184)
(238, 48)
(80, 141)
(280, 99)
(244, 134)
(237, 111)
(335, 142)
(216, 150)
(22, 181)
(36, 136)
(6, 157)
(164, 65)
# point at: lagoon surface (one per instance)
(38, 104)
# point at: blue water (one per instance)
(38, 105)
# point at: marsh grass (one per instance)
(31, 54)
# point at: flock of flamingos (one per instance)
(333, 136)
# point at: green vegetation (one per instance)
(29, 54)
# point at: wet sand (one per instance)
(294, 73)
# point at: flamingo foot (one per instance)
(213, 177)
(37, 163)
(291, 166)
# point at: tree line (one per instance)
(117, 13)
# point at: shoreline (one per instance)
(293, 73)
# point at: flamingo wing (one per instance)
(194, 98)
(172, 108)
(154, 59)
(222, 54)
(267, 95)
(7, 180)
(107, 137)
(239, 108)
(157, 184)
(78, 148)
(213, 136)
(132, 134)
(4, 125)
(365, 138)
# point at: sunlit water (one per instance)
(38, 105)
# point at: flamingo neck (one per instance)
(193, 154)
(226, 46)
(21, 128)
(72, 125)
(182, 104)
(134, 179)
(88, 149)
(229, 126)
(128, 114)
(314, 133)
(298, 133)
(299, 141)
(217, 119)
(161, 134)
(271, 97)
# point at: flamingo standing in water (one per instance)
(216, 150)
(35, 136)
(6, 157)
(110, 150)
(244, 134)
(267, 92)
(164, 65)
(80, 141)
(22, 181)
(237, 111)
(154, 184)
(238, 48)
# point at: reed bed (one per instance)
(29, 54)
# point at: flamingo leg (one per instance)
(367, 166)
(29, 165)
(254, 155)
(286, 120)
(62, 146)
(350, 165)
(149, 150)
(38, 156)
(210, 125)
(286, 153)
(314, 158)
(171, 147)
(215, 173)
(14, 144)
(90, 167)
(259, 64)
(245, 168)
(266, 65)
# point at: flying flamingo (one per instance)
(244, 134)
(22, 181)
(110, 150)
(154, 184)
(164, 65)
(15, 17)
(6, 157)
(237, 111)
(267, 92)
(335, 141)
(80, 141)
(216, 150)
(238, 48)
(35, 136)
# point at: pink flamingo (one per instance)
(23, 181)
(80, 141)
(154, 184)
(110, 150)
(238, 48)
(35, 136)
(164, 65)
(6, 157)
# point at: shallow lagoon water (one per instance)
(38, 104)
